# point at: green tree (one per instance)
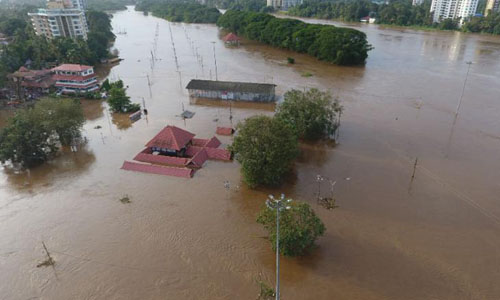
(312, 113)
(32, 136)
(63, 117)
(299, 228)
(118, 99)
(266, 148)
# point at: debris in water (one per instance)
(125, 200)
(98, 127)
(187, 114)
(49, 261)
(348, 178)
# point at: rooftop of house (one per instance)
(231, 86)
(231, 37)
(171, 137)
(72, 68)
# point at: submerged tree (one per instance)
(312, 114)
(118, 99)
(299, 228)
(32, 136)
(266, 148)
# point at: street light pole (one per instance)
(469, 63)
(215, 61)
(279, 205)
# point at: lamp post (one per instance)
(278, 205)
(469, 63)
(215, 61)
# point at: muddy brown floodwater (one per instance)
(192, 239)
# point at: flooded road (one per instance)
(437, 238)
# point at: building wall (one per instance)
(492, 5)
(60, 23)
(236, 96)
(283, 4)
(453, 9)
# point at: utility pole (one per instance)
(215, 61)
(469, 63)
(278, 204)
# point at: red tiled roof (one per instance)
(231, 37)
(71, 68)
(192, 150)
(224, 131)
(199, 142)
(220, 154)
(171, 137)
(161, 170)
(213, 143)
(161, 159)
(199, 158)
(78, 86)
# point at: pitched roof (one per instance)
(72, 68)
(171, 137)
(231, 37)
(161, 170)
(230, 86)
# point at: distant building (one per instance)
(283, 4)
(28, 82)
(231, 39)
(453, 9)
(493, 6)
(228, 90)
(417, 2)
(61, 18)
(72, 78)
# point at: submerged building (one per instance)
(229, 90)
(61, 18)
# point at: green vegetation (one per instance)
(312, 114)
(398, 12)
(180, 11)
(299, 228)
(26, 45)
(266, 148)
(32, 136)
(118, 99)
(341, 46)
(109, 5)
(290, 60)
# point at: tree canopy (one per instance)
(180, 11)
(341, 46)
(118, 99)
(33, 134)
(299, 228)
(266, 148)
(312, 113)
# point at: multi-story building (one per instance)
(453, 9)
(493, 6)
(61, 18)
(283, 4)
(72, 78)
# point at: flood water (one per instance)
(437, 238)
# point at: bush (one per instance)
(299, 228)
(290, 60)
(118, 99)
(312, 114)
(266, 148)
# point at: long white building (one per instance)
(453, 9)
(61, 18)
(283, 4)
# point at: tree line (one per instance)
(398, 12)
(180, 11)
(41, 51)
(341, 46)
(109, 5)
